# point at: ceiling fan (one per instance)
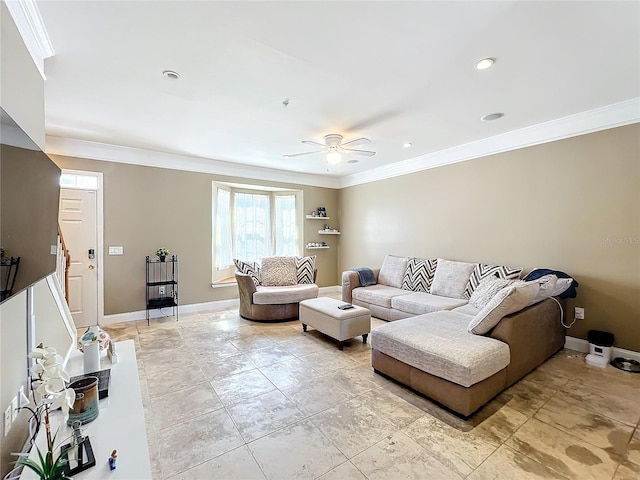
(334, 148)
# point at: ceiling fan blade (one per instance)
(359, 152)
(310, 142)
(356, 142)
(301, 154)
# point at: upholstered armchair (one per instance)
(272, 303)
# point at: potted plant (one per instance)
(49, 393)
(162, 253)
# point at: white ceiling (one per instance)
(393, 72)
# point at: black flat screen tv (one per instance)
(29, 196)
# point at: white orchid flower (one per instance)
(43, 352)
(51, 383)
(64, 400)
(55, 371)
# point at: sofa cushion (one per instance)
(451, 278)
(508, 300)
(419, 303)
(438, 343)
(378, 294)
(482, 271)
(419, 274)
(467, 310)
(249, 268)
(487, 289)
(283, 294)
(278, 271)
(305, 266)
(392, 271)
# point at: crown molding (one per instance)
(603, 118)
(69, 147)
(26, 15)
(611, 116)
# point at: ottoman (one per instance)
(324, 315)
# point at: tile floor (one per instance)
(227, 398)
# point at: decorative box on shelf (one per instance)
(316, 245)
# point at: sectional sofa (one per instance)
(458, 332)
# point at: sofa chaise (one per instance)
(460, 335)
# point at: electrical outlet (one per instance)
(7, 420)
(161, 290)
(579, 313)
(14, 408)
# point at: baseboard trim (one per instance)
(331, 289)
(182, 309)
(191, 308)
(581, 345)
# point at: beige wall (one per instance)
(145, 208)
(22, 97)
(571, 205)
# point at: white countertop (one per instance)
(120, 424)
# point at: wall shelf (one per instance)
(317, 248)
(311, 217)
(328, 232)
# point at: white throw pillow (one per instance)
(451, 278)
(547, 286)
(392, 271)
(486, 290)
(508, 300)
(279, 271)
(561, 285)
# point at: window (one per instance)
(79, 181)
(251, 223)
(223, 253)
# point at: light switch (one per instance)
(116, 250)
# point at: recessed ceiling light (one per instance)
(492, 116)
(170, 74)
(485, 63)
(407, 145)
(286, 156)
(353, 161)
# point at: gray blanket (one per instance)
(366, 276)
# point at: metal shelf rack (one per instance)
(162, 284)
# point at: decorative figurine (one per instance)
(112, 460)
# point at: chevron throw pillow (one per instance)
(249, 268)
(483, 271)
(419, 274)
(305, 267)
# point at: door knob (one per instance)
(91, 267)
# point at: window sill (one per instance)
(225, 282)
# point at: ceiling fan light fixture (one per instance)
(334, 157)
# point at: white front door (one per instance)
(78, 222)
